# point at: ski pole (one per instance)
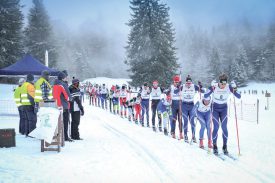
(237, 127)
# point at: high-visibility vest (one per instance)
(24, 94)
(38, 91)
(17, 96)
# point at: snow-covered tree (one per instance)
(38, 34)
(214, 64)
(239, 68)
(11, 23)
(150, 50)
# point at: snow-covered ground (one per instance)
(115, 150)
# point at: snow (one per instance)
(115, 150)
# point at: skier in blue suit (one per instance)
(188, 92)
(202, 111)
(221, 92)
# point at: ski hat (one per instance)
(21, 81)
(176, 78)
(188, 79)
(223, 79)
(145, 84)
(45, 73)
(74, 81)
(207, 98)
(61, 75)
(30, 78)
(65, 72)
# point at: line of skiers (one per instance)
(30, 96)
(172, 104)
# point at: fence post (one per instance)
(229, 107)
(242, 109)
(257, 111)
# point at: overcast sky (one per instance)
(111, 15)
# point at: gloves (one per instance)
(82, 112)
(214, 83)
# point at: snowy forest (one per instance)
(244, 50)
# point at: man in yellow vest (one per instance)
(43, 90)
(27, 101)
(17, 99)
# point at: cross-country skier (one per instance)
(111, 93)
(103, 95)
(130, 104)
(221, 92)
(155, 97)
(165, 109)
(202, 111)
(116, 100)
(175, 92)
(122, 101)
(137, 105)
(188, 92)
(145, 95)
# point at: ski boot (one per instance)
(136, 121)
(210, 144)
(154, 128)
(201, 144)
(180, 137)
(142, 124)
(224, 148)
(165, 131)
(185, 138)
(194, 139)
(129, 118)
(173, 135)
(148, 125)
(160, 128)
(215, 149)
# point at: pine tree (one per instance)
(215, 64)
(150, 50)
(259, 65)
(11, 23)
(239, 68)
(38, 34)
(270, 52)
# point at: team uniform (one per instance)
(115, 101)
(164, 108)
(175, 92)
(219, 112)
(188, 93)
(145, 96)
(203, 114)
(137, 106)
(155, 98)
(103, 96)
(122, 102)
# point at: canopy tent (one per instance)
(27, 65)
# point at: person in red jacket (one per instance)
(61, 95)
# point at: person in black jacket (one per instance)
(76, 109)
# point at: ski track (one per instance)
(150, 158)
(141, 151)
